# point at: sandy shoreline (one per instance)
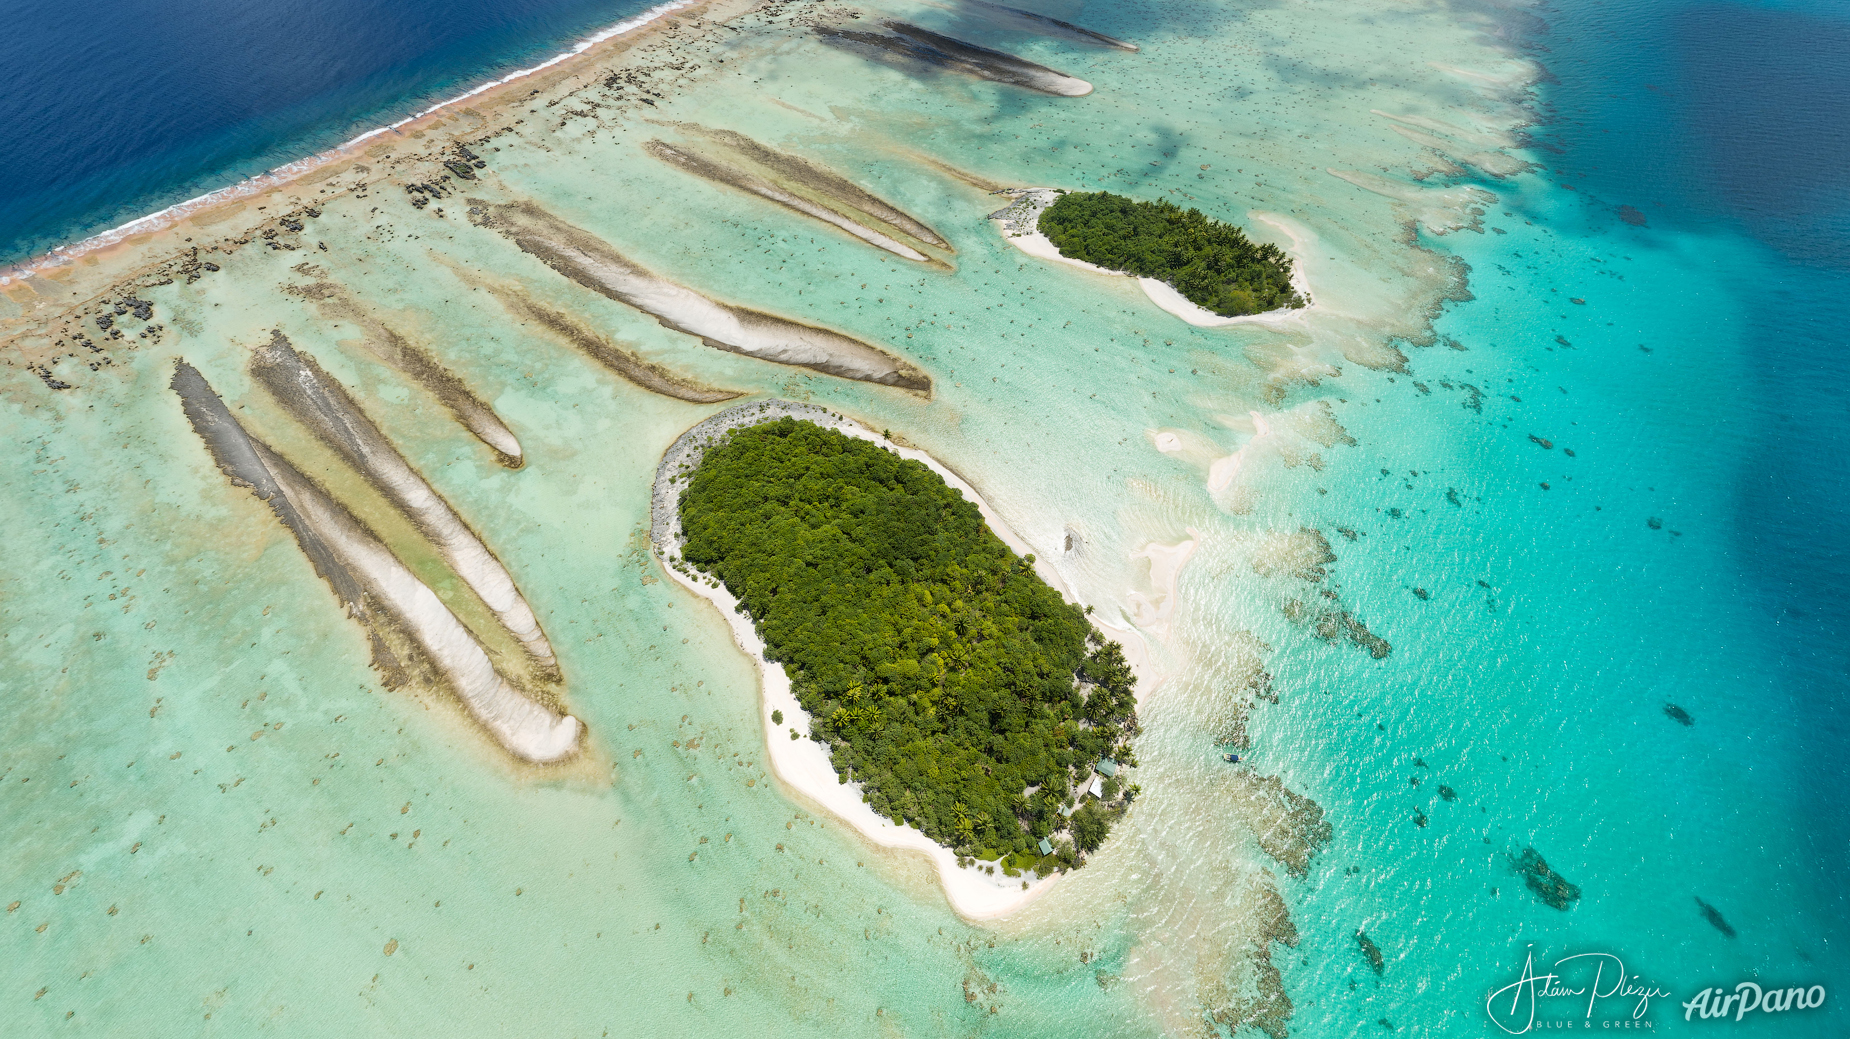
(1021, 235)
(803, 764)
(293, 173)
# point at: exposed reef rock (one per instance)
(738, 161)
(644, 373)
(371, 583)
(939, 51)
(1053, 27)
(321, 404)
(395, 351)
(1549, 886)
(591, 262)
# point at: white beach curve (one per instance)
(803, 764)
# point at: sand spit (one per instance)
(817, 178)
(976, 181)
(1054, 27)
(401, 355)
(321, 404)
(804, 764)
(800, 186)
(632, 367)
(366, 576)
(732, 176)
(943, 52)
(591, 262)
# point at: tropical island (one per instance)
(963, 694)
(1212, 264)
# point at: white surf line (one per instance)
(802, 763)
(278, 176)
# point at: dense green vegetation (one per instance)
(1211, 263)
(964, 694)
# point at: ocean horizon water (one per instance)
(199, 96)
(1525, 543)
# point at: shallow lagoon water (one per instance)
(449, 878)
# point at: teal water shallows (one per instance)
(218, 822)
(1659, 301)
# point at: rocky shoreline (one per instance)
(684, 456)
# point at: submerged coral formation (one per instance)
(1551, 887)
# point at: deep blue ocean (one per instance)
(1731, 121)
(115, 109)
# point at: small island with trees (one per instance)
(1212, 264)
(964, 694)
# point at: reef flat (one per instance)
(1343, 545)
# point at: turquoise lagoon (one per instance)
(226, 824)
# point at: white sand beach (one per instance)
(801, 763)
